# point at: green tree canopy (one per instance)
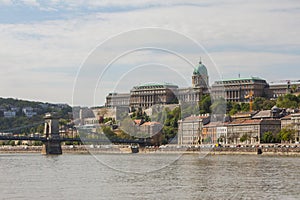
(287, 134)
(269, 137)
(288, 101)
(258, 103)
(204, 104)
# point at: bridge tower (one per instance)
(51, 146)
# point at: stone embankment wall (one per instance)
(283, 150)
(66, 149)
(254, 150)
(291, 150)
(20, 149)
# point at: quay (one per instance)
(284, 150)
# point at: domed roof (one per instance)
(200, 69)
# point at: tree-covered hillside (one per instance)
(21, 116)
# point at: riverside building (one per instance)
(251, 130)
(190, 129)
(292, 121)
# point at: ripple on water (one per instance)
(189, 177)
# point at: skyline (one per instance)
(46, 42)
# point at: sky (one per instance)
(77, 51)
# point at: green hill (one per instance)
(22, 116)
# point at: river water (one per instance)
(147, 176)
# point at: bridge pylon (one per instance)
(51, 146)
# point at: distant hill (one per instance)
(27, 116)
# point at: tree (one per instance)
(204, 104)
(170, 128)
(139, 114)
(268, 104)
(229, 106)
(37, 143)
(269, 137)
(287, 101)
(12, 143)
(235, 108)
(287, 134)
(124, 135)
(294, 88)
(108, 132)
(245, 107)
(258, 103)
(245, 137)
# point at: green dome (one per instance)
(200, 70)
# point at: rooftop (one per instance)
(200, 69)
(194, 117)
(243, 79)
(263, 114)
(245, 121)
(284, 82)
(155, 85)
(151, 123)
(249, 78)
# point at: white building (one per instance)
(222, 134)
(293, 122)
(190, 129)
(9, 114)
(29, 112)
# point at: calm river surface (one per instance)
(143, 176)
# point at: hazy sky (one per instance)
(44, 44)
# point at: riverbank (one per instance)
(265, 151)
(80, 149)
(84, 149)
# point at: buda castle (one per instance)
(235, 90)
(146, 95)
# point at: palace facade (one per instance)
(280, 88)
(117, 100)
(236, 90)
(150, 94)
(146, 95)
(233, 90)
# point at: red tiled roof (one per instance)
(150, 123)
(137, 121)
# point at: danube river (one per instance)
(148, 176)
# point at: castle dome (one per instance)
(200, 69)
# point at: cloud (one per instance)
(250, 38)
(271, 66)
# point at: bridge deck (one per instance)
(63, 139)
